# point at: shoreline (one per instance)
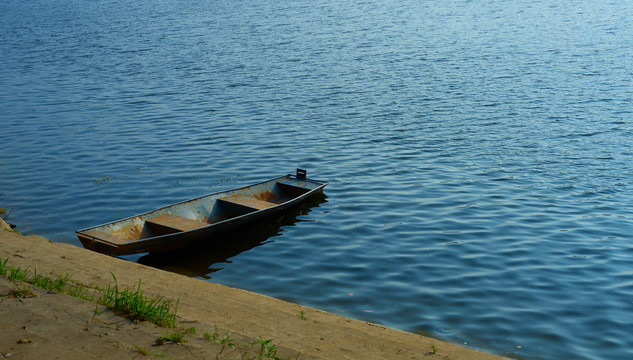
(298, 331)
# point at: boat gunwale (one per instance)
(321, 185)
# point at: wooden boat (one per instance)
(199, 219)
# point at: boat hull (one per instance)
(201, 219)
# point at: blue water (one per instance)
(478, 153)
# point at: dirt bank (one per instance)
(54, 325)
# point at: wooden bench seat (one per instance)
(167, 223)
(111, 238)
(249, 202)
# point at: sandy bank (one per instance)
(54, 325)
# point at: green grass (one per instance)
(176, 336)
(3, 267)
(79, 291)
(61, 284)
(135, 306)
(147, 352)
(17, 274)
(226, 342)
(212, 336)
(143, 351)
(215, 337)
(46, 282)
(130, 303)
(267, 350)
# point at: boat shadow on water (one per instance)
(205, 257)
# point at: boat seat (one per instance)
(249, 202)
(167, 224)
(290, 191)
(111, 238)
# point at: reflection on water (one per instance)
(203, 259)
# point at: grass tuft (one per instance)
(267, 350)
(3, 267)
(226, 342)
(21, 293)
(132, 304)
(212, 336)
(143, 351)
(17, 274)
(215, 337)
(177, 337)
(79, 291)
(46, 282)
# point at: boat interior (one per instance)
(201, 212)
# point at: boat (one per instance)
(200, 219)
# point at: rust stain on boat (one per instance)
(263, 196)
(131, 233)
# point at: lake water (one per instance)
(478, 152)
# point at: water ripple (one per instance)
(477, 153)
